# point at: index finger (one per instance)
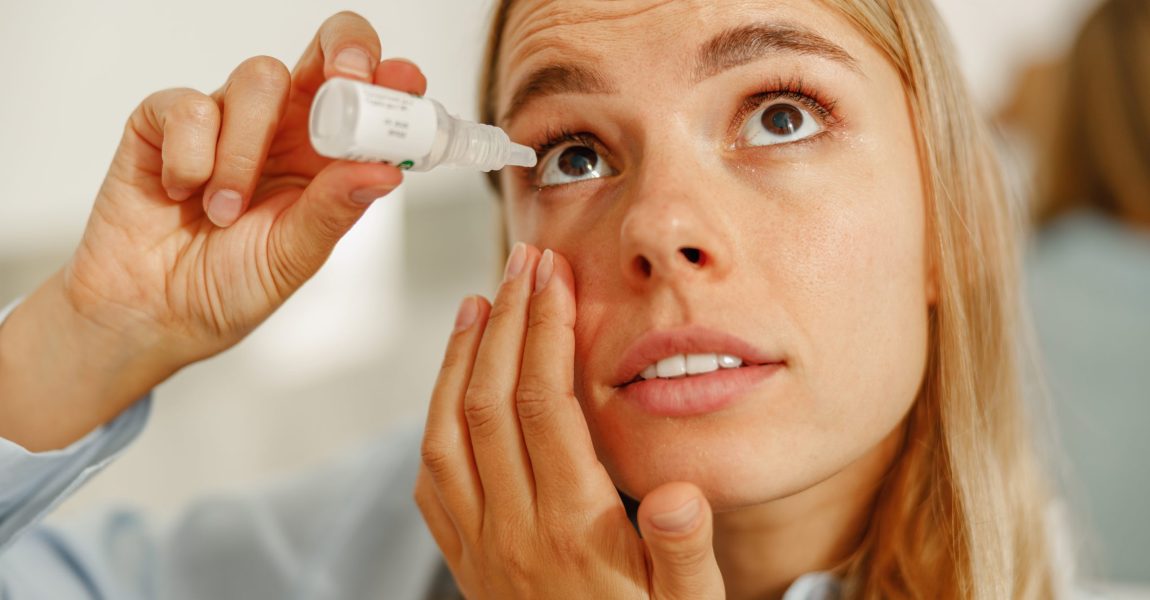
(346, 45)
(555, 432)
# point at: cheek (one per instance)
(592, 251)
(598, 295)
(852, 280)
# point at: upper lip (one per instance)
(692, 339)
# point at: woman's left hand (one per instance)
(510, 485)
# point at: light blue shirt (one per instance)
(346, 531)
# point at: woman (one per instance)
(782, 232)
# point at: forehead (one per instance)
(623, 35)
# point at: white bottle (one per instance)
(353, 120)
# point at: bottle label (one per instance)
(395, 127)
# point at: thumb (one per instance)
(307, 231)
(675, 520)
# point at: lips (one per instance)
(656, 346)
(688, 392)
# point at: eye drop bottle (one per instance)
(353, 120)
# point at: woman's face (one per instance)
(726, 178)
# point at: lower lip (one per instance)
(697, 394)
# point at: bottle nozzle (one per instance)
(521, 156)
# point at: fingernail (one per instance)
(468, 311)
(369, 195)
(544, 270)
(179, 194)
(224, 207)
(353, 61)
(679, 520)
(516, 261)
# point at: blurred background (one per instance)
(356, 351)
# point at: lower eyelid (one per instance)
(784, 146)
(564, 187)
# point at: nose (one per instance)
(669, 234)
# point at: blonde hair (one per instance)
(961, 515)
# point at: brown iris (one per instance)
(782, 119)
(578, 161)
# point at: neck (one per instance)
(762, 549)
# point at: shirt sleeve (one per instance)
(34, 483)
(346, 530)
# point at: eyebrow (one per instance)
(555, 79)
(729, 49)
(741, 45)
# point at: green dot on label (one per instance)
(407, 164)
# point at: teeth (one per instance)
(730, 362)
(672, 366)
(690, 364)
(702, 363)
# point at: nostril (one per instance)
(643, 265)
(694, 255)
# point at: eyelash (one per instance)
(797, 91)
(554, 137)
(793, 89)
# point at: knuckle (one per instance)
(570, 551)
(481, 409)
(534, 399)
(436, 456)
(156, 97)
(514, 557)
(293, 264)
(239, 163)
(161, 97)
(519, 569)
(329, 228)
(196, 108)
(265, 72)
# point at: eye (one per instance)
(779, 123)
(571, 163)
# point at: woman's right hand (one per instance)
(511, 486)
(214, 211)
